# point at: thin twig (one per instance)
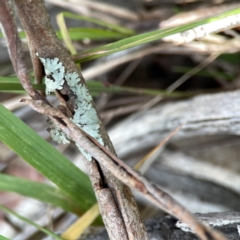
(182, 80)
(193, 71)
(9, 30)
(156, 149)
(48, 47)
(123, 172)
(119, 81)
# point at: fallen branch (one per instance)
(10, 32)
(122, 171)
(124, 221)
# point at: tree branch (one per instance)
(50, 50)
(123, 172)
(9, 30)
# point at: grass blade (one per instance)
(114, 27)
(145, 38)
(46, 159)
(3, 238)
(48, 232)
(78, 227)
(95, 88)
(83, 33)
(91, 33)
(18, 87)
(42, 192)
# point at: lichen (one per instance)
(58, 135)
(54, 70)
(84, 153)
(85, 115)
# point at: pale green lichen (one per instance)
(58, 135)
(54, 74)
(84, 153)
(85, 115)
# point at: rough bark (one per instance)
(164, 228)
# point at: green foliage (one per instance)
(95, 87)
(39, 191)
(205, 73)
(30, 223)
(46, 159)
(145, 38)
(74, 192)
(3, 238)
(85, 33)
(113, 27)
(113, 31)
(231, 58)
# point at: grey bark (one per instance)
(164, 228)
(206, 115)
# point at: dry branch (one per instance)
(123, 172)
(9, 29)
(44, 42)
(37, 25)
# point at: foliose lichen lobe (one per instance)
(54, 70)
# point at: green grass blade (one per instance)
(145, 38)
(205, 73)
(42, 192)
(83, 33)
(114, 31)
(91, 33)
(3, 238)
(114, 27)
(46, 159)
(95, 88)
(98, 87)
(9, 80)
(232, 58)
(13, 83)
(17, 86)
(48, 232)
